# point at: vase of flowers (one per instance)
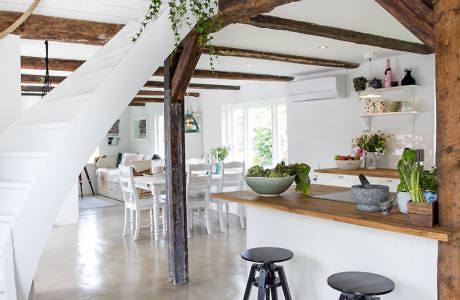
(370, 146)
(219, 154)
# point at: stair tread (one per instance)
(43, 125)
(6, 183)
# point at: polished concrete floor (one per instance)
(92, 260)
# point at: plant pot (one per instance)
(422, 214)
(403, 198)
(371, 161)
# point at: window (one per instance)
(257, 133)
(159, 134)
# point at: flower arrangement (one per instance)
(220, 153)
(371, 142)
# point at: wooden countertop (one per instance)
(386, 173)
(294, 202)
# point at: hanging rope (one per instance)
(47, 82)
(20, 20)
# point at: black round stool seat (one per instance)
(267, 255)
(361, 283)
(264, 259)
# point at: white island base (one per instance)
(323, 247)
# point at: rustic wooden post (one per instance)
(447, 45)
(178, 71)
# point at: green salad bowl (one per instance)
(268, 186)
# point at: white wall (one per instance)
(318, 130)
(10, 78)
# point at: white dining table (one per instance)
(157, 183)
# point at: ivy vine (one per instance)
(202, 10)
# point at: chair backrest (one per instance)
(127, 184)
(199, 178)
(232, 175)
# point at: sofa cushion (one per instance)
(129, 157)
(107, 161)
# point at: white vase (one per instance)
(403, 198)
(371, 161)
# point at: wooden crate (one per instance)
(422, 214)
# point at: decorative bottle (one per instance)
(408, 79)
(388, 75)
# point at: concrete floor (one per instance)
(92, 260)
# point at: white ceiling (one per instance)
(359, 15)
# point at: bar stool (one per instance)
(267, 282)
(360, 285)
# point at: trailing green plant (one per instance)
(299, 170)
(408, 155)
(220, 153)
(411, 172)
(204, 12)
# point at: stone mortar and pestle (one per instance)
(371, 197)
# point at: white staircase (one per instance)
(42, 153)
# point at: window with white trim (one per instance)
(159, 123)
(256, 132)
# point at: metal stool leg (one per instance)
(251, 279)
(284, 284)
(262, 278)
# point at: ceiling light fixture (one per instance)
(322, 47)
(370, 92)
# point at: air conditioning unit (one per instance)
(318, 89)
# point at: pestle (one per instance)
(364, 182)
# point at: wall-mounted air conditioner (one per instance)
(318, 89)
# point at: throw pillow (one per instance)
(107, 161)
(129, 157)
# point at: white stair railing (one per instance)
(42, 153)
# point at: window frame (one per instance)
(227, 112)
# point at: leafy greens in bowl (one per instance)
(299, 171)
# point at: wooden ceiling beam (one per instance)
(270, 22)
(38, 63)
(225, 51)
(32, 88)
(38, 27)
(38, 79)
(147, 100)
(410, 17)
(57, 64)
(198, 86)
(231, 75)
(136, 104)
(161, 93)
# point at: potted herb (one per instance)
(219, 154)
(359, 83)
(419, 211)
(371, 145)
(429, 185)
(403, 195)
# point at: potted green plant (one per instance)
(359, 83)
(371, 145)
(429, 184)
(219, 154)
(419, 211)
(403, 195)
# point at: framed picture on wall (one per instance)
(140, 129)
(115, 129)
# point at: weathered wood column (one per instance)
(447, 47)
(178, 71)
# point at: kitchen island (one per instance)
(330, 236)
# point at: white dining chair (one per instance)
(133, 204)
(231, 180)
(198, 193)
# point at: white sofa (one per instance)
(107, 175)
